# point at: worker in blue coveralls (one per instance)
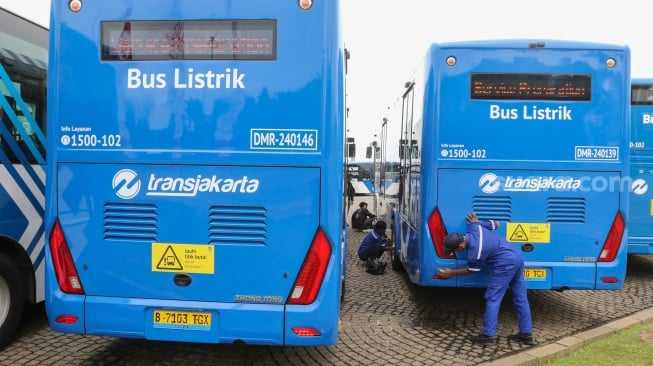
(375, 243)
(485, 247)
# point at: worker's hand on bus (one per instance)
(471, 217)
(444, 273)
(388, 248)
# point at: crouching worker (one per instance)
(362, 218)
(372, 248)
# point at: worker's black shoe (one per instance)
(482, 339)
(526, 338)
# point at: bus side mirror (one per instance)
(368, 152)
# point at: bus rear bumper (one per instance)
(244, 323)
(547, 276)
(577, 276)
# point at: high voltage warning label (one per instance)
(169, 260)
(528, 232)
(519, 234)
(189, 258)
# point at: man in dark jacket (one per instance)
(351, 192)
(362, 218)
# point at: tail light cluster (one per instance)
(64, 267)
(438, 232)
(310, 277)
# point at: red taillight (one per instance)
(64, 268)
(613, 240)
(309, 281)
(438, 232)
(66, 319)
(609, 279)
(306, 332)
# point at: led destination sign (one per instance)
(642, 94)
(189, 40)
(531, 86)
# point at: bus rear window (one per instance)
(189, 40)
(531, 86)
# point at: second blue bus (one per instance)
(528, 132)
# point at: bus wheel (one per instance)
(396, 263)
(12, 299)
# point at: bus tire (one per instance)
(12, 300)
(396, 263)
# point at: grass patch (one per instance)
(625, 347)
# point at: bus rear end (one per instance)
(533, 134)
(192, 157)
(640, 228)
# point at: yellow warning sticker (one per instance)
(651, 207)
(528, 232)
(189, 258)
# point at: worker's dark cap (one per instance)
(380, 225)
(362, 204)
(452, 241)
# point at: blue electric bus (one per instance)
(531, 133)
(23, 65)
(640, 222)
(190, 191)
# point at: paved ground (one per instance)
(385, 321)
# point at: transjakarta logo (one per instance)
(639, 186)
(490, 183)
(127, 185)
(189, 187)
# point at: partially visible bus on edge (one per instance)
(640, 221)
(531, 133)
(362, 177)
(23, 65)
(190, 191)
(369, 177)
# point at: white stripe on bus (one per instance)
(34, 220)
